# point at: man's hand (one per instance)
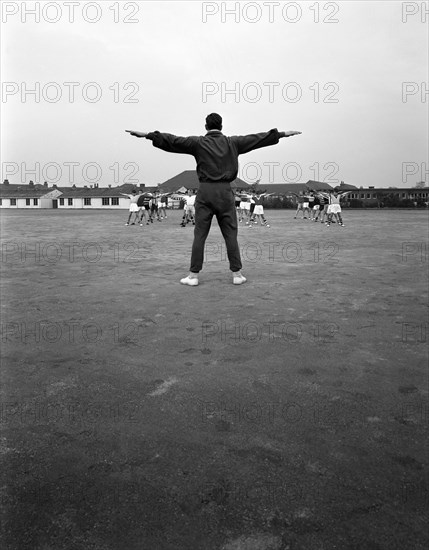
(291, 133)
(137, 134)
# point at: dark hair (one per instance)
(214, 121)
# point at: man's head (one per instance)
(213, 122)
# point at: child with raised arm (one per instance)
(133, 209)
(334, 207)
(259, 208)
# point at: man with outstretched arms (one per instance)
(216, 156)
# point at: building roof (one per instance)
(22, 190)
(289, 188)
(346, 187)
(25, 191)
(392, 190)
(186, 180)
(283, 188)
(189, 180)
(318, 185)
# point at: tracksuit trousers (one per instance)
(215, 199)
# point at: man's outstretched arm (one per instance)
(290, 133)
(244, 144)
(168, 142)
(137, 134)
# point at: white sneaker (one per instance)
(238, 279)
(190, 281)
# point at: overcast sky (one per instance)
(352, 76)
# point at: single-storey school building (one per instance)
(31, 195)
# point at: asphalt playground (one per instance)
(288, 413)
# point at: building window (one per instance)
(115, 201)
(1, 202)
(362, 196)
(368, 195)
(105, 201)
(70, 202)
(61, 202)
(35, 202)
(13, 202)
(27, 202)
(87, 202)
(404, 195)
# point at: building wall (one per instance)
(377, 194)
(77, 203)
(20, 203)
(96, 203)
(45, 203)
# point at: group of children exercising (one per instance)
(326, 205)
(147, 206)
(249, 206)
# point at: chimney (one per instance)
(31, 184)
(6, 182)
(85, 187)
(45, 184)
(54, 186)
(142, 185)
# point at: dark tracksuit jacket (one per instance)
(216, 156)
